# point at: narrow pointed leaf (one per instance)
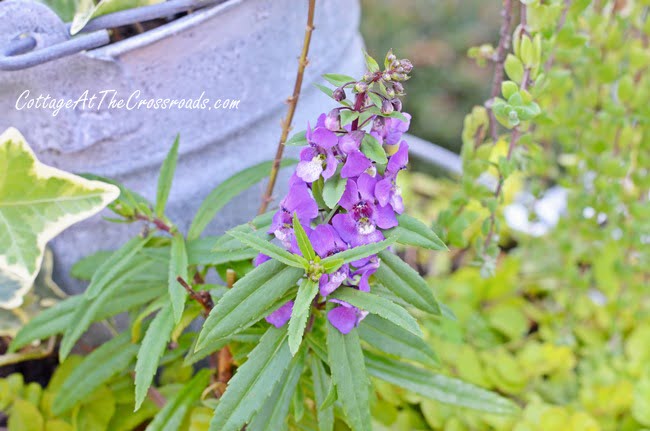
(322, 383)
(338, 79)
(273, 414)
(114, 265)
(360, 252)
(96, 369)
(224, 192)
(390, 338)
(248, 301)
(398, 277)
(412, 231)
(297, 140)
(349, 377)
(302, 239)
(171, 417)
(300, 313)
(376, 304)
(177, 268)
(270, 249)
(436, 386)
(153, 345)
(332, 265)
(253, 383)
(165, 178)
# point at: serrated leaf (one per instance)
(274, 411)
(391, 338)
(337, 79)
(345, 359)
(371, 63)
(303, 240)
(165, 178)
(248, 301)
(300, 313)
(383, 307)
(436, 386)
(297, 140)
(270, 249)
(177, 268)
(171, 417)
(332, 265)
(411, 231)
(47, 200)
(96, 369)
(114, 265)
(322, 383)
(333, 189)
(226, 191)
(153, 345)
(253, 383)
(86, 267)
(398, 277)
(359, 252)
(371, 147)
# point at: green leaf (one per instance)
(25, 416)
(360, 252)
(300, 313)
(96, 369)
(398, 115)
(371, 147)
(303, 240)
(371, 64)
(376, 100)
(45, 199)
(153, 345)
(248, 301)
(322, 383)
(85, 268)
(270, 249)
(378, 305)
(177, 268)
(349, 377)
(348, 116)
(114, 265)
(411, 231)
(333, 189)
(224, 192)
(332, 265)
(165, 178)
(274, 411)
(297, 140)
(338, 80)
(171, 417)
(253, 383)
(398, 277)
(436, 386)
(391, 338)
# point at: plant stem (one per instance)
(293, 102)
(499, 60)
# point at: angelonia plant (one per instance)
(311, 309)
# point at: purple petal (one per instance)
(328, 283)
(400, 159)
(299, 200)
(350, 142)
(343, 318)
(346, 227)
(397, 203)
(330, 166)
(260, 259)
(385, 217)
(355, 165)
(383, 191)
(364, 286)
(280, 316)
(307, 154)
(324, 138)
(366, 185)
(322, 238)
(320, 122)
(309, 170)
(350, 195)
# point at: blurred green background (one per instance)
(435, 35)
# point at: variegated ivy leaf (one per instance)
(87, 10)
(37, 202)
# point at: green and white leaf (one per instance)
(37, 202)
(87, 10)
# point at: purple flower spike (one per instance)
(387, 191)
(280, 316)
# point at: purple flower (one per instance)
(326, 242)
(345, 317)
(319, 157)
(389, 131)
(355, 162)
(300, 201)
(359, 225)
(280, 316)
(387, 191)
(260, 259)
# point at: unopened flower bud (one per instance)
(378, 123)
(407, 65)
(387, 107)
(390, 92)
(400, 69)
(390, 56)
(333, 120)
(360, 87)
(398, 76)
(386, 76)
(339, 94)
(397, 104)
(368, 77)
(395, 64)
(399, 88)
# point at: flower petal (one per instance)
(355, 165)
(343, 318)
(280, 316)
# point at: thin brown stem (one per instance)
(293, 102)
(202, 298)
(224, 356)
(499, 60)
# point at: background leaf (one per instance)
(177, 268)
(165, 178)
